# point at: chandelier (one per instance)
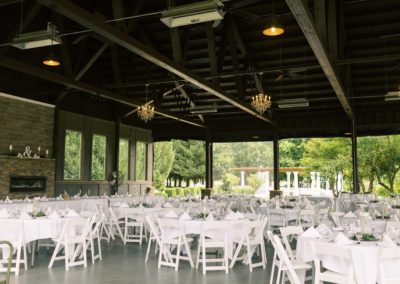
(261, 103)
(146, 111)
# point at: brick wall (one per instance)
(24, 123)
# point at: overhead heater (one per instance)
(293, 103)
(189, 14)
(42, 38)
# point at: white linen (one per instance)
(387, 242)
(311, 233)
(350, 215)
(185, 216)
(167, 205)
(171, 214)
(341, 239)
(4, 213)
(210, 217)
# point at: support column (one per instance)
(318, 186)
(356, 187)
(276, 159)
(242, 182)
(209, 164)
(115, 158)
(288, 180)
(327, 184)
(296, 180)
(312, 176)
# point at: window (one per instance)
(72, 155)
(123, 158)
(141, 161)
(98, 157)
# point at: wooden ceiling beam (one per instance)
(303, 17)
(84, 87)
(94, 23)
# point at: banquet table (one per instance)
(364, 255)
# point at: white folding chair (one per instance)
(306, 218)
(213, 235)
(155, 236)
(252, 239)
(336, 218)
(282, 262)
(321, 250)
(288, 233)
(133, 232)
(94, 234)
(388, 256)
(321, 216)
(13, 232)
(276, 218)
(72, 239)
(172, 234)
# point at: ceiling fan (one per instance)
(294, 73)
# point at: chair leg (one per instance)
(278, 276)
(84, 248)
(272, 273)
(249, 258)
(189, 254)
(18, 260)
(226, 262)
(263, 254)
(178, 255)
(92, 249)
(198, 256)
(66, 255)
(148, 251)
(161, 253)
(204, 258)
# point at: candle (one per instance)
(47, 152)
(10, 147)
(38, 148)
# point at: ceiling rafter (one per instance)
(92, 22)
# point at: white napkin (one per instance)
(44, 198)
(239, 215)
(29, 208)
(76, 196)
(171, 214)
(341, 239)
(49, 210)
(231, 216)
(350, 215)
(185, 216)
(24, 215)
(124, 205)
(311, 233)
(117, 204)
(60, 197)
(4, 213)
(167, 205)
(158, 205)
(7, 200)
(27, 199)
(264, 205)
(53, 215)
(210, 217)
(71, 213)
(387, 242)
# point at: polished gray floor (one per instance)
(125, 264)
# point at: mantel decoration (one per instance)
(28, 153)
(146, 111)
(261, 103)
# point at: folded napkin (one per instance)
(264, 205)
(4, 213)
(124, 205)
(44, 198)
(71, 213)
(210, 217)
(49, 210)
(158, 205)
(27, 199)
(341, 239)
(53, 215)
(231, 216)
(29, 208)
(60, 197)
(239, 215)
(24, 215)
(7, 200)
(350, 215)
(171, 214)
(167, 205)
(311, 233)
(387, 242)
(185, 216)
(76, 196)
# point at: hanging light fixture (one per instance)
(261, 102)
(146, 111)
(274, 28)
(51, 60)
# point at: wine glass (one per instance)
(358, 236)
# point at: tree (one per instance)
(72, 155)
(291, 152)
(328, 156)
(163, 158)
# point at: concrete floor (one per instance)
(125, 264)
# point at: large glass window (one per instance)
(141, 161)
(72, 155)
(98, 157)
(123, 158)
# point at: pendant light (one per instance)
(51, 60)
(274, 28)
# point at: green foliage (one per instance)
(72, 155)
(181, 191)
(141, 160)
(163, 158)
(228, 181)
(291, 152)
(254, 181)
(98, 169)
(123, 158)
(243, 190)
